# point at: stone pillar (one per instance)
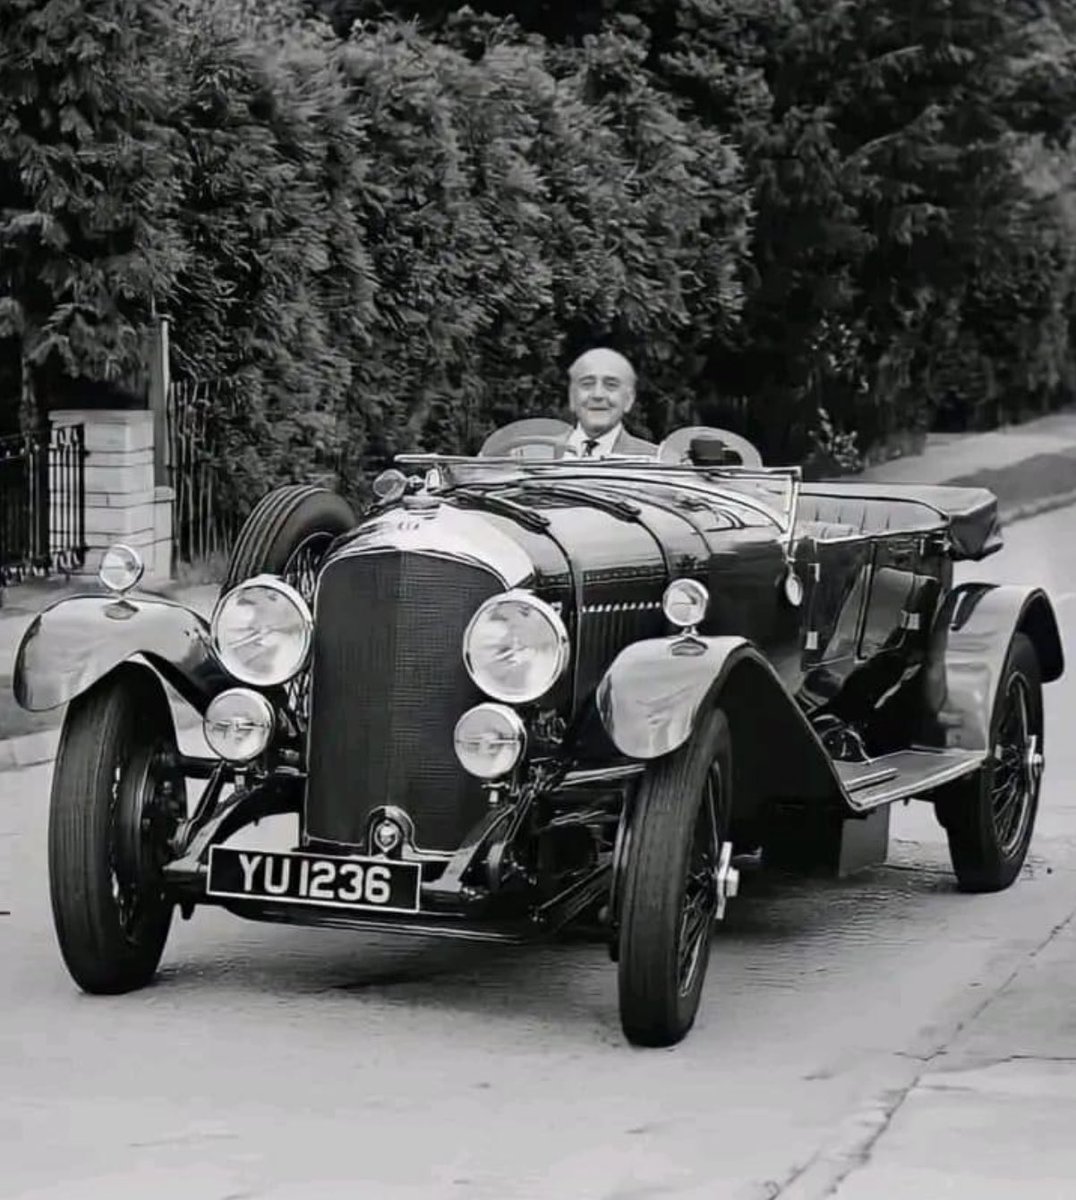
(123, 504)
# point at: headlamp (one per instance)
(238, 724)
(121, 568)
(515, 647)
(685, 603)
(262, 631)
(490, 740)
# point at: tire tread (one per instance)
(652, 1013)
(97, 955)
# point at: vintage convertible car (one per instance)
(521, 690)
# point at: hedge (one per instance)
(392, 226)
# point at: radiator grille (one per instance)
(388, 686)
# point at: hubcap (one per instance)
(145, 810)
(1018, 765)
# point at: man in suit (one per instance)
(601, 392)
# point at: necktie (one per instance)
(588, 447)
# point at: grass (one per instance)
(210, 569)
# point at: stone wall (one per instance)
(123, 504)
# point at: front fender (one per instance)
(652, 691)
(650, 697)
(76, 641)
(970, 639)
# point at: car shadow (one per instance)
(567, 986)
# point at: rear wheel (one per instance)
(989, 817)
(114, 808)
(672, 885)
(287, 534)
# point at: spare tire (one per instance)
(288, 534)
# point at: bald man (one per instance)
(601, 392)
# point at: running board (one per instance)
(903, 774)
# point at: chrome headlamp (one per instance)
(490, 739)
(262, 631)
(515, 647)
(685, 603)
(238, 724)
(121, 568)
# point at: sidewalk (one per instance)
(993, 1115)
(1030, 467)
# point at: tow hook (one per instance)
(726, 880)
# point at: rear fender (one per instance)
(650, 698)
(72, 644)
(970, 639)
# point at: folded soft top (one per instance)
(970, 514)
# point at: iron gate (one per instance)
(42, 502)
(200, 416)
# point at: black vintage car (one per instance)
(522, 690)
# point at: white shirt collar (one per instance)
(603, 449)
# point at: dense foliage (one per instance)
(393, 224)
(87, 187)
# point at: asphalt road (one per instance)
(280, 1063)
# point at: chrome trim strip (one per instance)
(621, 606)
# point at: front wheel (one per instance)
(114, 807)
(989, 817)
(672, 886)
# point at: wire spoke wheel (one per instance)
(301, 569)
(142, 819)
(1016, 768)
(674, 882)
(700, 886)
(301, 572)
(989, 817)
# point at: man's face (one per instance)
(600, 391)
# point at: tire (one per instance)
(111, 818)
(676, 813)
(989, 839)
(281, 526)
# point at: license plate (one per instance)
(360, 883)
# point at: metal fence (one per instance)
(198, 415)
(42, 502)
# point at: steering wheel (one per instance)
(676, 448)
(534, 437)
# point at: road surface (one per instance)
(302, 1065)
